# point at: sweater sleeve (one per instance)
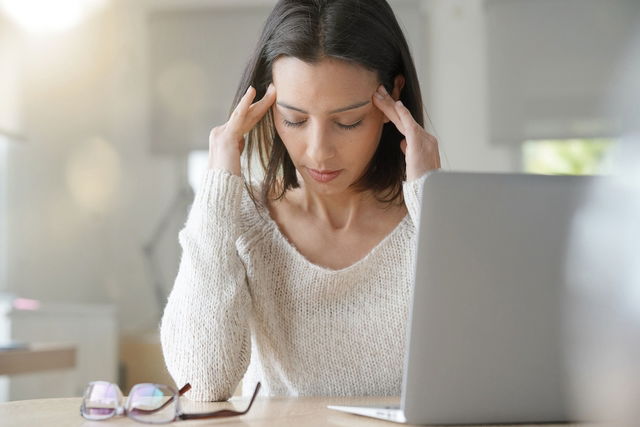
(412, 191)
(205, 326)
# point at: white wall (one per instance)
(3, 212)
(455, 87)
(10, 126)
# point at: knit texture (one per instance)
(246, 303)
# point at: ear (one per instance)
(398, 84)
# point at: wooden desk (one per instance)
(294, 412)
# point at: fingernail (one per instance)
(400, 103)
(378, 94)
(381, 92)
(248, 89)
(270, 88)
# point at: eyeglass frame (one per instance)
(179, 415)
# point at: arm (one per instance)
(205, 327)
(412, 191)
(204, 331)
(419, 147)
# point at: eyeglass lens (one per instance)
(152, 403)
(101, 400)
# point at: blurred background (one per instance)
(105, 110)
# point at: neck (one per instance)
(340, 212)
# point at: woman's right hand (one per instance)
(226, 142)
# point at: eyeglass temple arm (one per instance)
(223, 412)
(185, 388)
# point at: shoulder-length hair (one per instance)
(363, 32)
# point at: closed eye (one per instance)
(351, 126)
(292, 124)
(300, 123)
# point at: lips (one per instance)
(323, 175)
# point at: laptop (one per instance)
(485, 335)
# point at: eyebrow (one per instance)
(339, 110)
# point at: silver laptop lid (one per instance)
(485, 333)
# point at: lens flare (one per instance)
(46, 16)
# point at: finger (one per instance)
(258, 109)
(413, 127)
(240, 112)
(386, 104)
(403, 146)
(406, 117)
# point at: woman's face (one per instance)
(326, 119)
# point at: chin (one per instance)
(339, 187)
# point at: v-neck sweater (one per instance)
(247, 304)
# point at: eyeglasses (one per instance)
(146, 403)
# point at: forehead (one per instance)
(322, 86)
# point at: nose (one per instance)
(320, 147)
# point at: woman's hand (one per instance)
(419, 147)
(226, 142)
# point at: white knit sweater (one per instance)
(245, 301)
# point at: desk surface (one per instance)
(308, 411)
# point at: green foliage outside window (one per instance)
(567, 156)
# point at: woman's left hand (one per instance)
(419, 147)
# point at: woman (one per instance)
(303, 281)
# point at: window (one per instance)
(567, 156)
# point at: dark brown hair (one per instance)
(363, 32)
